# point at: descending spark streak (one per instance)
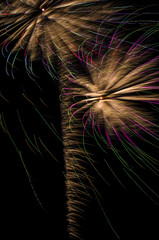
(76, 181)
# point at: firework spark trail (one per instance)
(77, 188)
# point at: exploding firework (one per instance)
(118, 86)
(49, 30)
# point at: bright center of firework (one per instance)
(101, 98)
(43, 9)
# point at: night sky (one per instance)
(132, 214)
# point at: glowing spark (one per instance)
(101, 98)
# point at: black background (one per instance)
(133, 215)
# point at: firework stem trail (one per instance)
(76, 165)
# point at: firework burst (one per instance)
(116, 90)
(51, 29)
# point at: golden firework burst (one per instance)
(44, 29)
